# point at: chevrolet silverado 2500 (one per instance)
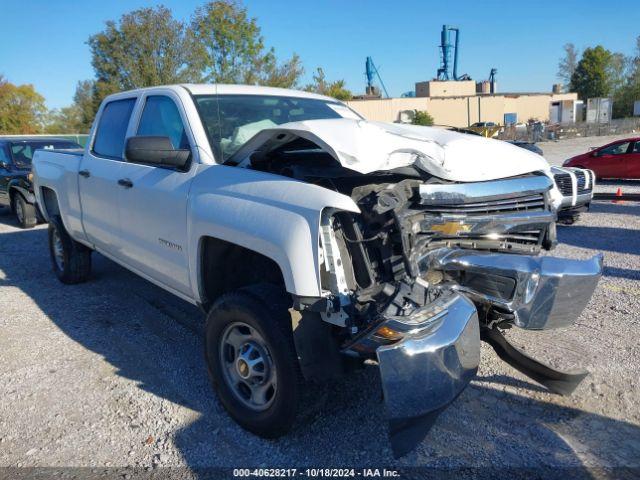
(316, 240)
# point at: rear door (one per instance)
(153, 201)
(99, 173)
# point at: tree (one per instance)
(421, 117)
(625, 96)
(22, 109)
(146, 47)
(228, 48)
(335, 89)
(568, 63)
(590, 78)
(78, 117)
(86, 102)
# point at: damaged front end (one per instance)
(427, 270)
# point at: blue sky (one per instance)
(43, 42)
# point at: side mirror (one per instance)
(156, 151)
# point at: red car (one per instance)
(619, 159)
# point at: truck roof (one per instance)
(33, 138)
(227, 89)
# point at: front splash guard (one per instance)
(427, 370)
(562, 383)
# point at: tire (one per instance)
(71, 260)
(252, 312)
(25, 212)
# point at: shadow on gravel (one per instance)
(608, 239)
(154, 339)
(627, 273)
(617, 182)
(616, 208)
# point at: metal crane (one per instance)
(372, 72)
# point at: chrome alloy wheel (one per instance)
(58, 250)
(247, 366)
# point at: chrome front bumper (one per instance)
(541, 292)
(436, 350)
(429, 368)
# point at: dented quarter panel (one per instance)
(269, 214)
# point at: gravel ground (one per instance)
(558, 151)
(111, 373)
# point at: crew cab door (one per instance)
(99, 173)
(152, 200)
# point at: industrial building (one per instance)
(464, 110)
(457, 100)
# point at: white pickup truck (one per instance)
(316, 240)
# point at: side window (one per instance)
(617, 149)
(636, 148)
(112, 129)
(4, 155)
(161, 117)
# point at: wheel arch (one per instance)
(49, 206)
(225, 266)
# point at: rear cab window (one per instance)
(22, 152)
(112, 129)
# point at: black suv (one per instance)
(16, 189)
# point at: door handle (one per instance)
(125, 182)
(84, 173)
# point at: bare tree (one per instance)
(567, 64)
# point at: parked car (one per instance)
(485, 124)
(576, 186)
(315, 240)
(619, 159)
(531, 146)
(16, 190)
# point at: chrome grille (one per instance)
(563, 181)
(582, 181)
(526, 203)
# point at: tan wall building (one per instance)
(436, 88)
(462, 111)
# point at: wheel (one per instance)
(39, 217)
(71, 260)
(251, 359)
(25, 212)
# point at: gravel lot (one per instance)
(111, 373)
(558, 151)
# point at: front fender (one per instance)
(275, 216)
(20, 186)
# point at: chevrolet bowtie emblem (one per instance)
(451, 228)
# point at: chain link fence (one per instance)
(537, 131)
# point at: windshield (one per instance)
(22, 152)
(231, 120)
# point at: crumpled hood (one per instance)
(373, 146)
